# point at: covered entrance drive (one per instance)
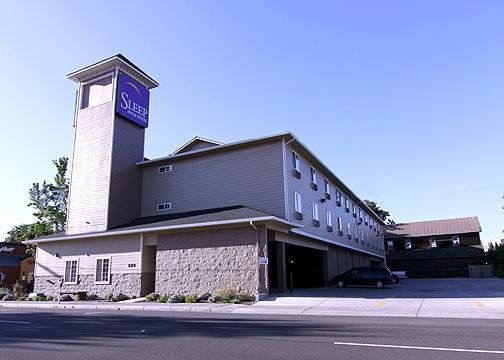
(295, 265)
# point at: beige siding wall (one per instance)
(309, 196)
(88, 200)
(122, 251)
(126, 176)
(251, 176)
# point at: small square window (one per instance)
(165, 169)
(164, 206)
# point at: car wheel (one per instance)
(340, 284)
(380, 284)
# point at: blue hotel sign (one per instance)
(132, 100)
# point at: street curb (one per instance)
(218, 308)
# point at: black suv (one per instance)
(372, 275)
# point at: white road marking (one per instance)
(420, 348)
(14, 322)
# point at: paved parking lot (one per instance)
(454, 298)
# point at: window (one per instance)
(295, 161)
(70, 272)
(164, 206)
(360, 214)
(96, 92)
(165, 169)
(362, 234)
(326, 186)
(433, 243)
(313, 175)
(354, 209)
(456, 240)
(2, 277)
(298, 207)
(346, 203)
(338, 195)
(390, 245)
(407, 244)
(329, 218)
(340, 225)
(102, 271)
(349, 228)
(315, 211)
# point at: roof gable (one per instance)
(433, 228)
(196, 143)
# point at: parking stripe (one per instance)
(420, 348)
(380, 304)
(479, 304)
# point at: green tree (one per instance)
(382, 213)
(50, 203)
(495, 255)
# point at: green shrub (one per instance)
(49, 298)
(192, 298)
(244, 297)
(163, 299)
(66, 297)
(152, 297)
(177, 298)
(17, 289)
(226, 295)
(39, 297)
(110, 297)
(93, 297)
(8, 297)
(204, 297)
(121, 297)
(82, 296)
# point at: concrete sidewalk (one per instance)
(484, 308)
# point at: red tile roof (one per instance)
(433, 228)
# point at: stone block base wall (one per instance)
(128, 284)
(206, 261)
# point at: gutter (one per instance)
(162, 228)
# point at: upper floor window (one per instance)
(456, 240)
(329, 218)
(326, 186)
(407, 244)
(70, 276)
(164, 206)
(338, 197)
(165, 169)
(360, 213)
(349, 228)
(340, 225)
(295, 162)
(433, 243)
(315, 211)
(354, 208)
(96, 92)
(298, 207)
(390, 245)
(313, 175)
(347, 205)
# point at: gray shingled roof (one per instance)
(186, 219)
(433, 228)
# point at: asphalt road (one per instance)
(77, 334)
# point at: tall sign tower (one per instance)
(112, 112)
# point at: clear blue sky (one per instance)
(403, 100)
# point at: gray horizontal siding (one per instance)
(309, 196)
(250, 176)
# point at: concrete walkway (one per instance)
(457, 298)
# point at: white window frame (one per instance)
(76, 272)
(298, 202)
(165, 206)
(91, 82)
(347, 204)
(315, 212)
(327, 186)
(313, 175)
(433, 243)
(340, 224)
(349, 228)
(165, 168)
(390, 245)
(102, 282)
(407, 244)
(329, 218)
(296, 161)
(455, 240)
(354, 208)
(338, 195)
